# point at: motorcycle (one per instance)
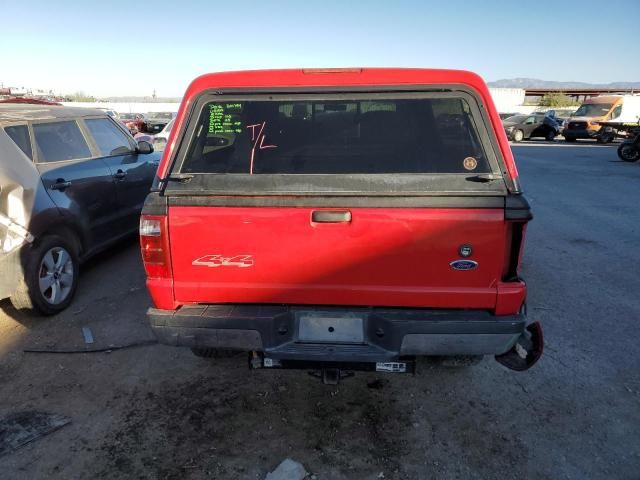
(629, 150)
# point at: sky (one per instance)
(131, 48)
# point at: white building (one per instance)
(508, 100)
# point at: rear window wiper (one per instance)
(180, 177)
(482, 178)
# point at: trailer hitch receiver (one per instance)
(331, 376)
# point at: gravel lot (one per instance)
(159, 412)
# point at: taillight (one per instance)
(154, 244)
(517, 214)
(514, 251)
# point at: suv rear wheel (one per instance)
(518, 136)
(50, 277)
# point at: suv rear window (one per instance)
(351, 136)
(58, 141)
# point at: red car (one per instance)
(339, 219)
(135, 122)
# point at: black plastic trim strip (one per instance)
(276, 327)
(417, 184)
(517, 209)
(343, 202)
(155, 204)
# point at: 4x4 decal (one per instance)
(241, 261)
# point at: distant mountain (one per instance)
(536, 83)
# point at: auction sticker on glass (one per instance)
(223, 118)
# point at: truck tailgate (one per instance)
(355, 256)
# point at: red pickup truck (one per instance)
(339, 219)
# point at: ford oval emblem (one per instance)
(463, 264)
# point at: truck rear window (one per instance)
(356, 136)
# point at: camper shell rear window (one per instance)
(346, 136)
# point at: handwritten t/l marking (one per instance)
(258, 142)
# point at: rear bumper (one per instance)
(386, 334)
(11, 272)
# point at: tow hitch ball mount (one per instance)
(331, 376)
(527, 350)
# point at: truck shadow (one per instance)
(236, 424)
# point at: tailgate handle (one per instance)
(331, 216)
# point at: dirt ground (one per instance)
(159, 412)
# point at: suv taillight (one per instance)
(154, 243)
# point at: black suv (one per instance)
(72, 182)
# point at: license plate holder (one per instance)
(330, 328)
